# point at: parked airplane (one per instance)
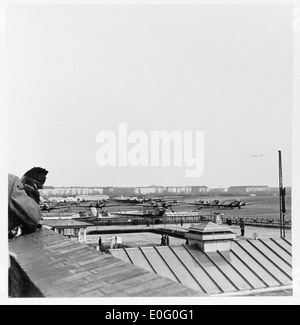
(68, 205)
(219, 204)
(50, 206)
(123, 199)
(141, 200)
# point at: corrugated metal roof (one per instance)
(249, 265)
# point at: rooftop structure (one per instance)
(68, 227)
(210, 236)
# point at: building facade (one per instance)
(153, 190)
(248, 190)
(199, 190)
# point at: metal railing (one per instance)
(272, 223)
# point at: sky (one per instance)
(75, 71)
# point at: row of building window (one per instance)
(153, 190)
(127, 191)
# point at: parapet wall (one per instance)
(19, 283)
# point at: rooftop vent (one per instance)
(210, 237)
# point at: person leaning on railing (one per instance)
(24, 215)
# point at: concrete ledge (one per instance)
(19, 283)
(51, 265)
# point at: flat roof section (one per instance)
(65, 223)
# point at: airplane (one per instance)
(125, 200)
(88, 204)
(141, 200)
(47, 204)
(161, 203)
(233, 204)
(219, 204)
(49, 207)
(152, 210)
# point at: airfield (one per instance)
(138, 234)
(258, 207)
(261, 207)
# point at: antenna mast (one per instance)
(282, 199)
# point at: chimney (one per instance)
(210, 237)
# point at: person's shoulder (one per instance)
(12, 179)
(12, 176)
(13, 183)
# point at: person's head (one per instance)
(37, 175)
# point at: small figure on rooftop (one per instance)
(242, 226)
(112, 242)
(163, 240)
(100, 242)
(167, 240)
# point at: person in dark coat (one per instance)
(167, 240)
(163, 240)
(24, 213)
(242, 226)
(100, 242)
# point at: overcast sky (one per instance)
(76, 70)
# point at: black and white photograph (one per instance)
(149, 152)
